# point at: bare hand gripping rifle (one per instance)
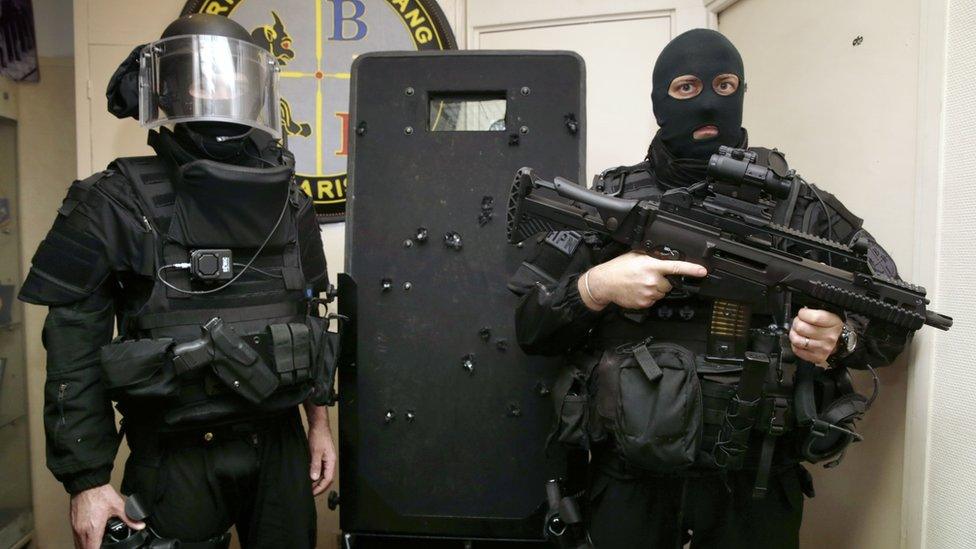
(724, 223)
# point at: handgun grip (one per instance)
(192, 355)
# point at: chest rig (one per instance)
(754, 394)
(201, 350)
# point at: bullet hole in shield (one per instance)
(421, 236)
(453, 240)
(386, 284)
(502, 345)
(487, 210)
(389, 416)
(514, 410)
(485, 334)
(571, 124)
(542, 389)
(467, 362)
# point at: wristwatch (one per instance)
(846, 344)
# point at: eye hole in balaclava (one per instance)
(708, 57)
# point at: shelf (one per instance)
(9, 420)
(15, 525)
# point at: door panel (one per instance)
(619, 42)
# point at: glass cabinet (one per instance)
(16, 522)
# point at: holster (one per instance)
(237, 365)
(564, 521)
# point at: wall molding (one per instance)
(474, 34)
(715, 7)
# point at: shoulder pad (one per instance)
(147, 179)
(854, 222)
(72, 261)
(878, 258)
(614, 181)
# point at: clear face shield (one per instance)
(202, 78)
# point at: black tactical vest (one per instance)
(192, 354)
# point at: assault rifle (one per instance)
(724, 223)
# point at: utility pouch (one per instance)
(571, 400)
(139, 368)
(650, 396)
(742, 412)
(239, 366)
(324, 356)
(291, 346)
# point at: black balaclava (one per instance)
(706, 54)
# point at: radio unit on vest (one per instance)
(212, 264)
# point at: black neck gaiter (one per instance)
(671, 171)
(705, 54)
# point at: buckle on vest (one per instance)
(777, 421)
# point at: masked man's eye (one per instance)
(725, 84)
(685, 87)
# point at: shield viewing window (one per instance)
(475, 112)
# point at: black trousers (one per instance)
(250, 475)
(711, 511)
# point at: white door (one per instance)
(619, 41)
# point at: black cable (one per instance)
(265, 273)
(281, 216)
(830, 219)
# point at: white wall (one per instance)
(53, 25)
(951, 461)
(845, 115)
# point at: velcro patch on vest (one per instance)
(566, 242)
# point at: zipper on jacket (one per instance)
(62, 389)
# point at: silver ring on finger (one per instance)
(806, 343)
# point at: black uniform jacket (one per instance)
(91, 271)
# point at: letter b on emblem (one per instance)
(339, 18)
